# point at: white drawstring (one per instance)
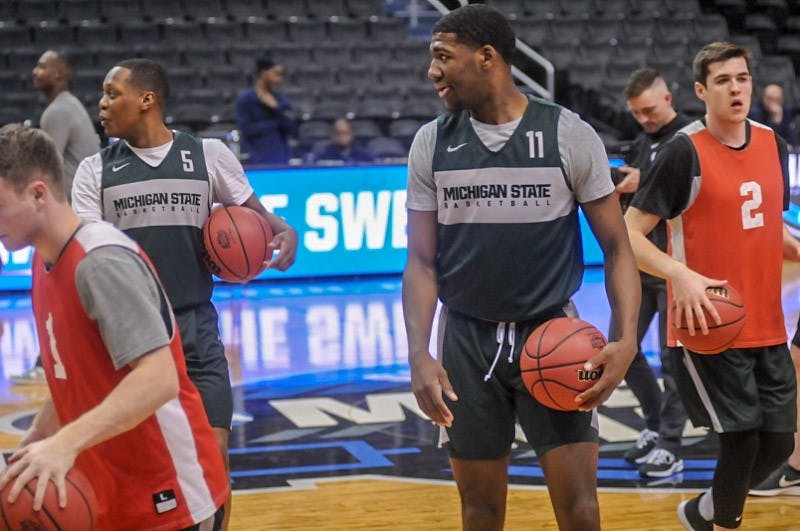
(501, 335)
(511, 328)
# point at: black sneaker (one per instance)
(689, 516)
(783, 480)
(639, 452)
(660, 464)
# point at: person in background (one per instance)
(264, 117)
(658, 448)
(66, 121)
(772, 111)
(343, 147)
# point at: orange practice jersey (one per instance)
(167, 472)
(733, 230)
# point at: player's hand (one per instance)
(791, 247)
(429, 381)
(630, 183)
(614, 359)
(285, 243)
(689, 292)
(47, 460)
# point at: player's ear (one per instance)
(149, 99)
(487, 55)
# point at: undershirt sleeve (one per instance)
(421, 188)
(120, 293)
(667, 184)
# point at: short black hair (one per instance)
(147, 74)
(477, 25)
(639, 81)
(27, 153)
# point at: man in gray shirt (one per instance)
(65, 119)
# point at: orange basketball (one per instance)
(78, 514)
(730, 307)
(552, 361)
(236, 241)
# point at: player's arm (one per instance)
(44, 424)
(229, 186)
(623, 287)
(86, 196)
(420, 292)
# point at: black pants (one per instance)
(663, 411)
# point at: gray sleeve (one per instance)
(119, 292)
(584, 158)
(56, 122)
(421, 189)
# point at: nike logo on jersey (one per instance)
(451, 149)
(117, 168)
(783, 482)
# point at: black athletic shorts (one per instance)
(486, 409)
(206, 362)
(738, 389)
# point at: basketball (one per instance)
(235, 240)
(731, 310)
(78, 514)
(552, 361)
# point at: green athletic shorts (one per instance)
(738, 389)
(486, 409)
(206, 362)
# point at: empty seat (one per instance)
(312, 131)
(88, 82)
(365, 8)
(331, 54)
(385, 29)
(265, 31)
(120, 10)
(775, 69)
(308, 31)
(244, 56)
(226, 78)
(412, 53)
(566, 30)
(561, 55)
(224, 32)
(532, 31)
(281, 9)
(136, 32)
(184, 78)
(169, 56)
(79, 57)
(373, 55)
(384, 147)
(710, 28)
(108, 56)
(652, 8)
(182, 33)
(75, 10)
(242, 11)
(675, 29)
(542, 8)
(312, 76)
(36, 10)
(577, 7)
(602, 30)
(13, 35)
(589, 76)
(347, 30)
(404, 129)
(12, 81)
(90, 33)
(22, 59)
(161, 10)
(202, 10)
(510, 8)
(681, 7)
(364, 129)
(290, 53)
(326, 8)
(49, 34)
(193, 115)
(631, 52)
(637, 27)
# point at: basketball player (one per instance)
(493, 191)
(158, 185)
(722, 184)
(121, 406)
(658, 448)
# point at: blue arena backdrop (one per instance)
(350, 221)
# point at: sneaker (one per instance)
(689, 516)
(34, 375)
(644, 445)
(660, 464)
(783, 480)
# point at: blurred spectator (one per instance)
(771, 111)
(264, 117)
(342, 146)
(65, 119)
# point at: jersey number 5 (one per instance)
(750, 218)
(188, 165)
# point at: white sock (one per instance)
(706, 505)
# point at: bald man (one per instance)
(771, 111)
(657, 451)
(65, 119)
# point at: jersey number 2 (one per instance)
(750, 218)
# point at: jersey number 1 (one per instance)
(750, 218)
